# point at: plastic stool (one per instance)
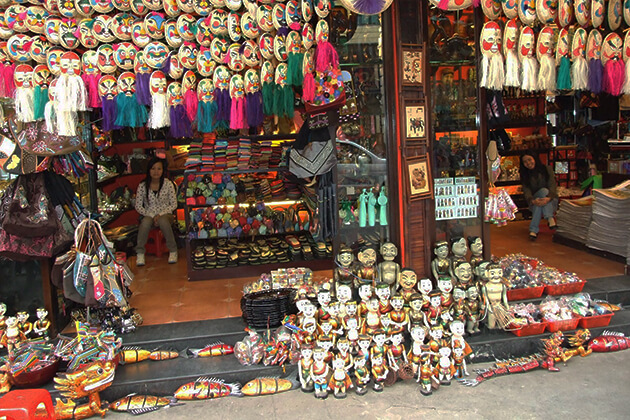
(156, 244)
(23, 403)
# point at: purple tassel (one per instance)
(224, 104)
(143, 92)
(180, 124)
(254, 109)
(595, 75)
(614, 75)
(166, 65)
(371, 7)
(283, 31)
(109, 114)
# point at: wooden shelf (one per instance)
(237, 171)
(522, 152)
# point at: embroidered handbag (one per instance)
(318, 157)
(30, 213)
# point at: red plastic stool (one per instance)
(24, 403)
(156, 244)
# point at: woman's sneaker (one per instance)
(172, 257)
(139, 260)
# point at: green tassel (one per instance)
(287, 101)
(278, 101)
(205, 116)
(564, 74)
(267, 94)
(40, 99)
(294, 71)
(130, 112)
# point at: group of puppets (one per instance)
(549, 46)
(364, 315)
(165, 63)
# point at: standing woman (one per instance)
(539, 189)
(156, 201)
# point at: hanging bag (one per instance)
(30, 213)
(316, 158)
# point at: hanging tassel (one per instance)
(529, 68)
(626, 84)
(268, 95)
(237, 114)
(512, 69)
(614, 75)
(66, 121)
(278, 101)
(547, 73)
(206, 112)
(159, 116)
(50, 117)
(181, 126)
(288, 101)
(8, 82)
(129, 113)
(372, 7)
(40, 99)
(443, 4)
(595, 75)
(191, 102)
(72, 94)
(326, 56)
(579, 73)
(143, 90)
(492, 72)
(109, 114)
(223, 101)
(308, 88)
(91, 85)
(294, 69)
(24, 106)
(564, 74)
(254, 109)
(476, 3)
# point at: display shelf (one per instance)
(469, 62)
(458, 128)
(520, 124)
(237, 171)
(507, 182)
(522, 152)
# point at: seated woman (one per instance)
(156, 200)
(539, 189)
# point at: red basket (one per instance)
(595, 321)
(531, 329)
(565, 325)
(564, 289)
(525, 293)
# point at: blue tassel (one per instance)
(130, 112)
(40, 99)
(206, 113)
(564, 74)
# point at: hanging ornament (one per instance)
(250, 54)
(108, 90)
(218, 22)
(207, 108)
(626, 57)
(129, 113)
(325, 54)
(265, 45)
(221, 81)
(204, 35)
(189, 89)
(492, 70)
(180, 124)
(143, 75)
(295, 59)
(510, 46)
(238, 119)
(202, 7)
(5, 31)
(24, 106)
(7, 68)
(307, 10)
(278, 17)
(614, 66)
(233, 4)
(267, 73)
(264, 17)
(563, 52)
(159, 116)
(70, 94)
(593, 55)
(253, 98)
(41, 80)
(139, 8)
(122, 5)
(441, 4)
(283, 95)
(293, 15)
(491, 8)
(322, 8)
(529, 65)
(579, 67)
(68, 34)
(91, 75)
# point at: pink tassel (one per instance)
(237, 114)
(443, 4)
(191, 102)
(2, 93)
(226, 59)
(91, 84)
(614, 76)
(476, 3)
(308, 88)
(7, 78)
(326, 57)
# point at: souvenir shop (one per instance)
(327, 149)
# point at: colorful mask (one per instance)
(185, 26)
(267, 72)
(265, 44)
(491, 8)
(233, 5)
(278, 16)
(122, 26)
(122, 5)
(86, 38)
(221, 78)
(279, 48)
(307, 10)
(127, 83)
(578, 44)
(252, 81)
(293, 14)
(250, 53)
(49, 5)
(234, 58)
(42, 76)
(218, 22)
(155, 54)
(154, 23)
(5, 31)
(84, 7)
(103, 28)
(51, 29)
(544, 45)
(139, 8)
(265, 17)
(308, 36)
(171, 8)
(322, 31)
(281, 74)
(68, 30)
(36, 19)
(205, 63)
(490, 41)
(565, 12)
(308, 65)
(189, 81)
(51, 89)
(175, 69)
(293, 43)
(38, 49)
(23, 76)
(218, 49)
(139, 34)
(205, 90)
(204, 35)
(612, 47)
(218, 3)
(89, 62)
(202, 7)
(322, 8)
(594, 45)
(237, 88)
(157, 83)
(153, 4)
(70, 64)
(526, 11)
(598, 10)
(188, 55)
(125, 54)
(174, 94)
(234, 26)
(562, 45)
(106, 63)
(107, 87)
(66, 8)
(614, 16)
(15, 16)
(171, 34)
(102, 6)
(186, 6)
(547, 11)
(249, 26)
(526, 42)
(139, 64)
(626, 45)
(582, 12)
(510, 36)
(53, 58)
(17, 48)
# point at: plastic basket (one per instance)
(564, 325)
(531, 329)
(525, 293)
(595, 321)
(564, 289)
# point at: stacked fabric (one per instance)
(574, 218)
(194, 154)
(610, 229)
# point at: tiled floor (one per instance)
(162, 293)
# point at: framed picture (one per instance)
(419, 183)
(412, 67)
(415, 121)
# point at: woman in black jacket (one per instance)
(539, 189)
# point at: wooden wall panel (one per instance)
(416, 237)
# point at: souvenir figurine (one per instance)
(344, 294)
(425, 377)
(459, 249)
(495, 297)
(445, 285)
(388, 270)
(396, 352)
(415, 314)
(436, 341)
(441, 265)
(323, 299)
(319, 373)
(25, 326)
(398, 317)
(383, 293)
(463, 274)
(553, 349)
(459, 363)
(12, 334)
(3, 319)
(459, 304)
(326, 342)
(365, 293)
(343, 352)
(480, 273)
(362, 375)
(473, 309)
(445, 366)
(308, 314)
(159, 116)
(418, 348)
(425, 288)
(366, 273)
(457, 337)
(309, 332)
(304, 370)
(340, 380)
(407, 280)
(342, 274)
(433, 314)
(379, 370)
(372, 318)
(352, 326)
(364, 346)
(335, 320)
(476, 248)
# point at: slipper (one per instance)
(533, 236)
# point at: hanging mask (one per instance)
(122, 5)
(188, 55)
(322, 8)
(84, 7)
(125, 54)
(204, 35)
(139, 34)
(106, 63)
(626, 45)
(544, 44)
(233, 5)
(281, 75)
(174, 94)
(265, 45)
(66, 8)
(186, 26)
(4, 58)
(68, 30)
(612, 47)
(218, 3)
(127, 83)
(103, 28)
(492, 8)
(614, 16)
(70, 64)
(53, 58)
(107, 87)
(157, 83)
(122, 26)
(140, 65)
(234, 58)
(308, 36)
(308, 65)
(5, 31)
(17, 48)
(594, 45)
(526, 42)
(175, 70)
(267, 72)
(250, 53)
(293, 15)
(547, 11)
(186, 6)
(205, 90)
(155, 54)
(293, 42)
(42, 76)
(578, 44)
(205, 63)
(218, 22)
(510, 8)
(154, 23)
(598, 11)
(39, 48)
(50, 6)
(510, 36)
(89, 62)
(265, 17)
(189, 81)
(172, 34)
(102, 6)
(202, 7)
(562, 45)
(171, 8)
(565, 12)
(234, 26)
(51, 29)
(322, 31)
(527, 11)
(237, 87)
(583, 12)
(51, 90)
(251, 81)
(249, 26)
(139, 8)
(154, 5)
(86, 38)
(218, 49)
(15, 16)
(279, 48)
(23, 76)
(221, 78)
(36, 19)
(278, 16)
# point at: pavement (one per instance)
(596, 386)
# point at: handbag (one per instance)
(35, 139)
(19, 248)
(316, 158)
(30, 213)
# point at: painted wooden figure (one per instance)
(362, 375)
(340, 380)
(304, 368)
(388, 270)
(319, 373)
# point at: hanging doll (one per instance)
(41, 80)
(108, 90)
(189, 88)
(180, 125)
(579, 67)
(544, 53)
(529, 65)
(159, 116)
(91, 75)
(129, 113)
(253, 98)
(207, 107)
(238, 118)
(24, 102)
(614, 66)
(492, 70)
(267, 73)
(222, 98)
(563, 54)
(595, 67)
